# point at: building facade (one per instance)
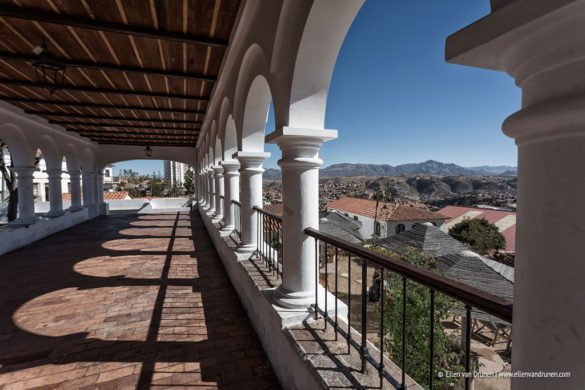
(175, 172)
(384, 219)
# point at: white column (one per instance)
(74, 176)
(202, 190)
(219, 191)
(251, 195)
(211, 190)
(542, 45)
(232, 192)
(75, 187)
(89, 198)
(300, 194)
(26, 202)
(100, 188)
(55, 192)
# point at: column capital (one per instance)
(230, 167)
(54, 172)
(300, 147)
(251, 161)
(24, 171)
(218, 170)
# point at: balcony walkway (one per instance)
(122, 302)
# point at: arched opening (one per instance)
(256, 113)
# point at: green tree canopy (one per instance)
(189, 182)
(478, 233)
(447, 354)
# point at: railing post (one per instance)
(232, 192)
(251, 195)
(219, 193)
(211, 190)
(300, 186)
(203, 184)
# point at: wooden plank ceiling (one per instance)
(137, 72)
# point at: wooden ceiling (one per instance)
(137, 72)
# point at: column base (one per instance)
(216, 218)
(246, 248)
(293, 300)
(23, 221)
(75, 208)
(227, 228)
(53, 214)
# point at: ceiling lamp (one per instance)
(50, 72)
(148, 151)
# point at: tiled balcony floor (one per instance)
(131, 301)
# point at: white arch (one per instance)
(53, 158)
(71, 157)
(255, 115)
(320, 44)
(230, 140)
(21, 152)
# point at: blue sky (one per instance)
(394, 100)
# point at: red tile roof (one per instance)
(508, 230)
(119, 195)
(386, 212)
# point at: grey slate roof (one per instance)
(456, 261)
(340, 226)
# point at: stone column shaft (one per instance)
(219, 191)
(26, 202)
(55, 192)
(300, 194)
(75, 178)
(232, 192)
(251, 195)
(211, 190)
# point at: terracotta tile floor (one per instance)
(131, 301)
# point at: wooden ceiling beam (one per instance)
(115, 91)
(108, 133)
(97, 105)
(113, 67)
(117, 118)
(100, 25)
(63, 123)
(152, 139)
(176, 145)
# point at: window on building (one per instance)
(107, 173)
(400, 228)
(355, 217)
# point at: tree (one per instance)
(479, 234)
(447, 354)
(189, 182)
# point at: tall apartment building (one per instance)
(175, 172)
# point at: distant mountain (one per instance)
(495, 170)
(429, 167)
(271, 174)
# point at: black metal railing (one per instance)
(387, 266)
(221, 200)
(237, 216)
(269, 240)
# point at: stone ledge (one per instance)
(14, 237)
